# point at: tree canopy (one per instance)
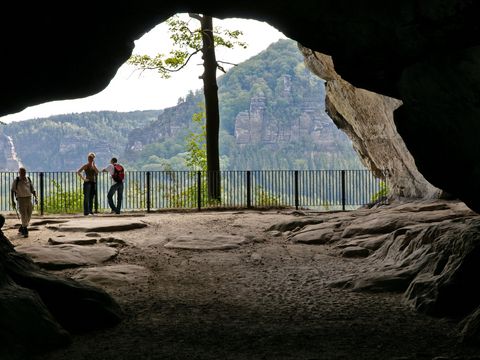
(187, 42)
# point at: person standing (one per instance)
(88, 173)
(21, 192)
(117, 173)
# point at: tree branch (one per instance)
(195, 16)
(184, 64)
(221, 68)
(186, 27)
(226, 62)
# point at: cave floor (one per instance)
(266, 299)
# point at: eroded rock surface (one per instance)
(26, 321)
(270, 286)
(39, 310)
(427, 250)
(201, 242)
(112, 276)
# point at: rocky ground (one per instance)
(237, 285)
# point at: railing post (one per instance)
(41, 193)
(199, 190)
(343, 190)
(96, 196)
(385, 182)
(296, 190)
(148, 191)
(249, 190)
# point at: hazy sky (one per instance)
(132, 90)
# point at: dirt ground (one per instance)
(268, 299)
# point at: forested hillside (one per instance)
(62, 142)
(272, 117)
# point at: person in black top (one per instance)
(88, 173)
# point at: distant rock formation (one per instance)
(249, 123)
(257, 126)
(169, 122)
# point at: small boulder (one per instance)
(355, 251)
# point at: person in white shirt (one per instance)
(22, 191)
(116, 171)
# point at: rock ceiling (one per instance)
(425, 53)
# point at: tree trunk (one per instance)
(210, 91)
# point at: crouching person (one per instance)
(21, 192)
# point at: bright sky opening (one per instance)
(132, 89)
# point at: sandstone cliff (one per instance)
(257, 126)
(367, 119)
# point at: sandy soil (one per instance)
(268, 299)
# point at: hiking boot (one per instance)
(20, 230)
(25, 232)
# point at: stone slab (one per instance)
(60, 240)
(98, 224)
(57, 257)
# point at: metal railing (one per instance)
(61, 192)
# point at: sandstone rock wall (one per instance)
(256, 126)
(425, 53)
(367, 119)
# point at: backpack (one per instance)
(118, 173)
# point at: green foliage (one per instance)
(187, 42)
(196, 158)
(265, 198)
(186, 198)
(265, 74)
(137, 194)
(183, 193)
(61, 142)
(381, 193)
(60, 201)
